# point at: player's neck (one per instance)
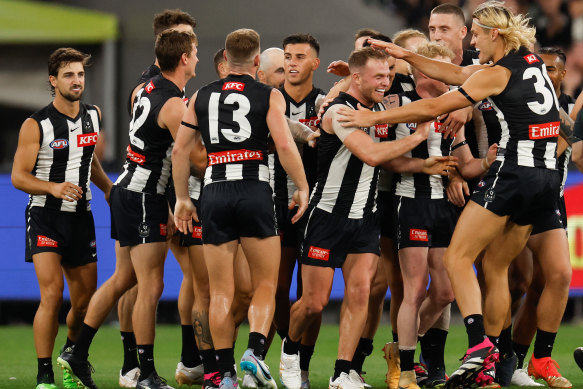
(428, 91)
(243, 70)
(459, 56)
(66, 107)
(177, 78)
(298, 92)
(355, 92)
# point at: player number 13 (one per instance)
(244, 131)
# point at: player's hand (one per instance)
(423, 129)
(323, 107)
(66, 191)
(361, 117)
(455, 120)
(313, 138)
(491, 155)
(392, 49)
(184, 212)
(439, 165)
(339, 68)
(300, 199)
(456, 189)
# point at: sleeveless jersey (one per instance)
(419, 185)
(65, 154)
(151, 72)
(232, 120)
(528, 112)
(401, 83)
(147, 168)
(566, 102)
(304, 112)
(346, 186)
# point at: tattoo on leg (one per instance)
(202, 330)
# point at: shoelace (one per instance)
(159, 380)
(551, 367)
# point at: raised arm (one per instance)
(287, 151)
(447, 72)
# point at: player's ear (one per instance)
(256, 60)
(315, 63)
(53, 80)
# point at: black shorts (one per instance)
(330, 238)
(137, 218)
(234, 209)
(70, 234)
(387, 215)
(552, 221)
(291, 234)
(526, 194)
(424, 222)
(195, 237)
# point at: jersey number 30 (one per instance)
(244, 106)
(541, 89)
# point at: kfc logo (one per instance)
(238, 86)
(135, 157)
(43, 241)
(234, 156)
(531, 58)
(419, 235)
(150, 87)
(381, 130)
(312, 122)
(545, 130)
(197, 232)
(87, 139)
(318, 253)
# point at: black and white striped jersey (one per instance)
(528, 112)
(401, 83)
(566, 102)
(419, 185)
(232, 120)
(148, 164)
(304, 112)
(65, 154)
(346, 186)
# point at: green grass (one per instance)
(18, 360)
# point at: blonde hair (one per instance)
(514, 29)
(241, 46)
(401, 37)
(433, 49)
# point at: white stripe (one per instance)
(165, 172)
(567, 155)
(398, 223)
(334, 179)
(139, 179)
(73, 162)
(434, 150)
(550, 156)
(263, 173)
(143, 213)
(44, 159)
(504, 126)
(208, 173)
(271, 164)
(361, 193)
(494, 183)
(194, 185)
(524, 154)
(234, 171)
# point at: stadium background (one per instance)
(119, 36)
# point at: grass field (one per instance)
(18, 360)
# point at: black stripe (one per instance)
(463, 92)
(185, 124)
(347, 192)
(85, 164)
(370, 201)
(420, 180)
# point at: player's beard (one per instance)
(72, 96)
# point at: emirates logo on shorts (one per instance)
(197, 232)
(44, 241)
(418, 235)
(319, 253)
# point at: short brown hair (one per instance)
(365, 32)
(450, 9)
(401, 37)
(218, 58)
(359, 58)
(302, 38)
(170, 18)
(433, 49)
(241, 46)
(170, 45)
(62, 57)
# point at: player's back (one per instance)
(231, 117)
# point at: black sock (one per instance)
(495, 340)
(433, 348)
(45, 373)
(475, 329)
(226, 360)
(505, 343)
(130, 352)
(543, 343)
(282, 332)
(209, 361)
(407, 358)
(146, 355)
(290, 347)
(190, 356)
(68, 343)
(86, 335)
(395, 337)
(257, 343)
(520, 350)
(341, 366)
(306, 353)
(363, 350)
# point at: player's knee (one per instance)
(561, 278)
(315, 306)
(358, 294)
(51, 298)
(444, 296)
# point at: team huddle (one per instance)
(431, 170)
